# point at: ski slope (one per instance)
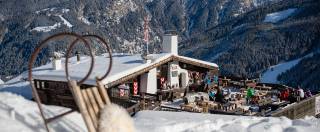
(271, 74)
(278, 16)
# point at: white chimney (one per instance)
(56, 63)
(170, 43)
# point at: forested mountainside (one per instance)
(243, 36)
(24, 23)
(247, 45)
(305, 74)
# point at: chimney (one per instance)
(56, 63)
(78, 56)
(147, 58)
(170, 43)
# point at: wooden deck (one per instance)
(299, 110)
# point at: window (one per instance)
(174, 73)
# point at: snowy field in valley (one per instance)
(18, 114)
(278, 16)
(271, 74)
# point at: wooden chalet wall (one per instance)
(55, 93)
(59, 93)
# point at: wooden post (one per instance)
(143, 101)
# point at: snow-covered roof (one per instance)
(123, 65)
(198, 61)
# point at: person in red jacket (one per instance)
(284, 94)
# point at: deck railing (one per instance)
(301, 109)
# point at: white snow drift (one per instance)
(19, 114)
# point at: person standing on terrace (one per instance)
(250, 94)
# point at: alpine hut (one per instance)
(133, 77)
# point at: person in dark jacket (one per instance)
(219, 96)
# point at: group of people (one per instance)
(293, 95)
(217, 94)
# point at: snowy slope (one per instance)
(17, 86)
(159, 121)
(18, 114)
(270, 76)
(278, 16)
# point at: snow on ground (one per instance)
(65, 22)
(270, 76)
(19, 88)
(1, 82)
(160, 121)
(46, 28)
(18, 114)
(278, 16)
(84, 20)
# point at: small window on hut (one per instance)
(37, 84)
(46, 85)
(174, 73)
(42, 84)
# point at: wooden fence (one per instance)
(301, 109)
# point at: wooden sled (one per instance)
(89, 100)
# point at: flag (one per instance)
(135, 88)
(121, 91)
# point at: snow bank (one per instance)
(159, 121)
(20, 115)
(278, 16)
(20, 88)
(1, 82)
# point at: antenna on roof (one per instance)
(146, 32)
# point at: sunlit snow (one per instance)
(278, 16)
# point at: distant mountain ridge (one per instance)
(249, 44)
(26, 22)
(232, 33)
